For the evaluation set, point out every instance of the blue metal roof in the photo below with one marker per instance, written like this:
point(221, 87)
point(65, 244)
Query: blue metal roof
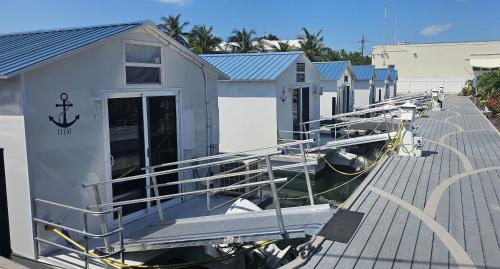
point(22, 50)
point(363, 72)
point(252, 66)
point(381, 73)
point(394, 74)
point(331, 70)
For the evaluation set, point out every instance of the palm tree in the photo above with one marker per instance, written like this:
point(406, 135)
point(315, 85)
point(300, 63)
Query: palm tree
point(173, 27)
point(312, 44)
point(202, 41)
point(245, 42)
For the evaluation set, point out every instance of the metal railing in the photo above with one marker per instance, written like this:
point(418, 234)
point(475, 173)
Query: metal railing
point(341, 125)
point(394, 101)
point(212, 162)
point(83, 232)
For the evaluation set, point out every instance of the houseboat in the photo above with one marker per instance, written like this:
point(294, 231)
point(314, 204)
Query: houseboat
point(382, 81)
point(337, 83)
point(110, 148)
point(364, 85)
point(266, 98)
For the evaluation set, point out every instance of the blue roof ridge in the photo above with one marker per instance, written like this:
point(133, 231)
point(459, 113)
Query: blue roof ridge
point(252, 53)
point(331, 62)
point(75, 28)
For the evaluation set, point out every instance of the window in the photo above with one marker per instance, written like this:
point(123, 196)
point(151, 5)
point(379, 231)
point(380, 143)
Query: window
point(142, 64)
point(391, 66)
point(301, 72)
point(346, 79)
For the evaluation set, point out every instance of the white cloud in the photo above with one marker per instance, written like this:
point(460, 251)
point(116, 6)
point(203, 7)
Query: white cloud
point(436, 29)
point(175, 2)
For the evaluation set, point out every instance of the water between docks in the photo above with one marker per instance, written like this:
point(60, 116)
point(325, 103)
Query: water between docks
point(328, 185)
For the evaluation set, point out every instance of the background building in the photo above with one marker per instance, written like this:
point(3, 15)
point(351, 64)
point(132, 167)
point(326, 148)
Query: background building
point(422, 67)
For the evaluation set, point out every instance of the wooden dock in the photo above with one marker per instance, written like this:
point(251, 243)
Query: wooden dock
point(441, 210)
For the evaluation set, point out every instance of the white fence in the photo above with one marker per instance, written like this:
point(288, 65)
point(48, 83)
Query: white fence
point(414, 85)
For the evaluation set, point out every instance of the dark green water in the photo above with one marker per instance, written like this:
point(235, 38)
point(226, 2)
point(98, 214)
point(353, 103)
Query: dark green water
point(327, 182)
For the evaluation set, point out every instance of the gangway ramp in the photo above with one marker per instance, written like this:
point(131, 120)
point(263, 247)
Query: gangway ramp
point(227, 228)
point(335, 144)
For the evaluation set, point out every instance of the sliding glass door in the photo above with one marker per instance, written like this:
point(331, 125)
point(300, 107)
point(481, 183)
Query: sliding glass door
point(142, 133)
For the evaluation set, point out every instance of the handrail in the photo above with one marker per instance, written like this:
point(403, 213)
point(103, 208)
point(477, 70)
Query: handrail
point(76, 230)
point(224, 155)
point(171, 171)
point(90, 212)
point(181, 194)
point(361, 112)
point(37, 221)
point(242, 173)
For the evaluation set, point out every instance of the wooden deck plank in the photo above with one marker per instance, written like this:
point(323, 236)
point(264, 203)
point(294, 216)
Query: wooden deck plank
point(391, 237)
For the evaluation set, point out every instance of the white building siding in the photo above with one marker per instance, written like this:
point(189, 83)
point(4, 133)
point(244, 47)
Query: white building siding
point(362, 91)
point(425, 66)
point(247, 115)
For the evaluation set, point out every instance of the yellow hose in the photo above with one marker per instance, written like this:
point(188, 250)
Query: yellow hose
point(389, 147)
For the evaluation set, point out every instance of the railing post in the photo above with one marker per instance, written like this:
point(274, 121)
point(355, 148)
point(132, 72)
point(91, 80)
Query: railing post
point(37, 230)
point(306, 173)
point(102, 218)
point(120, 234)
point(86, 239)
point(276, 201)
point(209, 210)
point(158, 201)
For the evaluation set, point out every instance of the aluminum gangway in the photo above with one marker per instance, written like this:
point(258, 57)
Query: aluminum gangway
point(342, 130)
point(397, 100)
point(210, 212)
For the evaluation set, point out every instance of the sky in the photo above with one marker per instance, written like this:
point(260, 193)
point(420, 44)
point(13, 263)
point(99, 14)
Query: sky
point(343, 23)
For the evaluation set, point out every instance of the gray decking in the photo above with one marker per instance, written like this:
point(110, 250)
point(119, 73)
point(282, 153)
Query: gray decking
point(441, 210)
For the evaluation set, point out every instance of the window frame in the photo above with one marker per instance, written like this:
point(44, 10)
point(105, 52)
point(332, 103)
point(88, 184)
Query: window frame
point(129, 64)
point(297, 72)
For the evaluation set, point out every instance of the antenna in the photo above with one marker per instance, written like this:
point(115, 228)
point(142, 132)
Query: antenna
point(385, 30)
point(396, 32)
point(363, 41)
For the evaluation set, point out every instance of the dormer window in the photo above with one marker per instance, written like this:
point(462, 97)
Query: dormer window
point(301, 72)
point(142, 64)
point(346, 79)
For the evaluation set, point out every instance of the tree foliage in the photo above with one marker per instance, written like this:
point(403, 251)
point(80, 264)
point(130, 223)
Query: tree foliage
point(173, 27)
point(489, 90)
point(244, 41)
point(312, 44)
point(202, 41)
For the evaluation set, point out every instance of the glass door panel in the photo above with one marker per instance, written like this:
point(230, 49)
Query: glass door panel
point(296, 111)
point(126, 135)
point(305, 109)
point(162, 129)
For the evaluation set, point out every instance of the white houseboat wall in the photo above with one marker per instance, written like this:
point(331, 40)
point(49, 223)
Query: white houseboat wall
point(364, 85)
point(382, 81)
point(337, 83)
point(87, 104)
point(393, 82)
point(266, 97)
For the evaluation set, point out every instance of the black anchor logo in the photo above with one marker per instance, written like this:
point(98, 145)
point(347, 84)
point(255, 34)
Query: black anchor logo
point(65, 105)
point(283, 95)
